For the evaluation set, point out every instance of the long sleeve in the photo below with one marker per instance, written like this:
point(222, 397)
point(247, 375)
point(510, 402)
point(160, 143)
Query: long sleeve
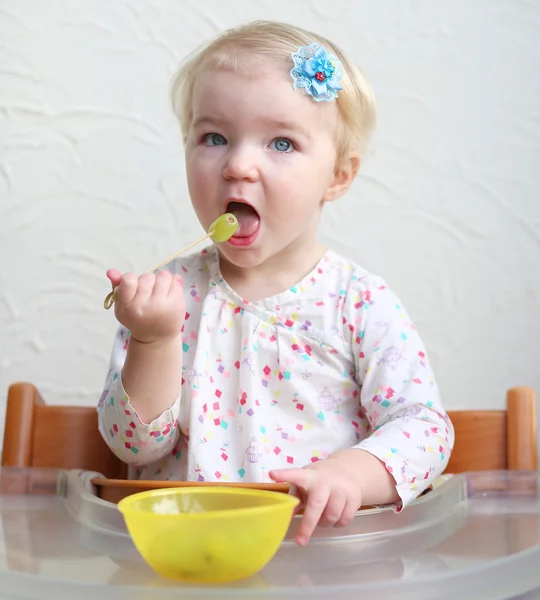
point(412, 434)
point(133, 441)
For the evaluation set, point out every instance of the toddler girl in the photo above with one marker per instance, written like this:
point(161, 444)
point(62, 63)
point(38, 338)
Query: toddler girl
point(269, 357)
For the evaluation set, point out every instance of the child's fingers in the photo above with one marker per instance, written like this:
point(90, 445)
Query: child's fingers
point(162, 284)
point(115, 277)
point(301, 495)
point(316, 503)
point(175, 281)
point(299, 480)
point(127, 288)
point(348, 514)
point(279, 475)
point(294, 491)
point(334, 509)
point(145, 286)
point(292, 476)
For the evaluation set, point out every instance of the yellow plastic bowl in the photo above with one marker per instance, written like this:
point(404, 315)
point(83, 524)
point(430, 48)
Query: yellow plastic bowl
point(207, 534)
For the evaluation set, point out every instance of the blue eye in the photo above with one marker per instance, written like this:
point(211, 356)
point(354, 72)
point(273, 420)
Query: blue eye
point(214, 139)
point(282, 145)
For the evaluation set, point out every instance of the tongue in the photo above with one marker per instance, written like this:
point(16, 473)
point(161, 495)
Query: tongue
point(248, 219)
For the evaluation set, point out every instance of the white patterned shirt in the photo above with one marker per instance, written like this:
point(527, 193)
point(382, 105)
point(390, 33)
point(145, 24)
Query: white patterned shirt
point(331, 363)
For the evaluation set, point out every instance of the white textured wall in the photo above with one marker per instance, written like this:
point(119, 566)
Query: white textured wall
point(447, 207)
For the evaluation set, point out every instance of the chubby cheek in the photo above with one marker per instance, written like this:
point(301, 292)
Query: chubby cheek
point(299, 195)
point(199, 176)
point(200, 191)
point(201, 179)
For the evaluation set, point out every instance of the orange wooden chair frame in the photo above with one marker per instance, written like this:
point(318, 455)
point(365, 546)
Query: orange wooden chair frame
point(67, 437)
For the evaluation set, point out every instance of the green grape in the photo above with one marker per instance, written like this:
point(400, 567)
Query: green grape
point(223, 228)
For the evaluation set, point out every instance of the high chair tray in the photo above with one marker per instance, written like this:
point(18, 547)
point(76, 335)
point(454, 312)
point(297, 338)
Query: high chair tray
point(475, 535)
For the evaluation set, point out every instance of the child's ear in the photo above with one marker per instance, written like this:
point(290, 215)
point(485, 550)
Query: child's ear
point(344, 173)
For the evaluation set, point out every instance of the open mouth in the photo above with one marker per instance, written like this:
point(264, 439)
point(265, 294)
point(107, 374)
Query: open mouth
point(249, 222)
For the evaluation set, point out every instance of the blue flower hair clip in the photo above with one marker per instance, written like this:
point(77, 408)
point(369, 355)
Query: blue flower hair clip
point(318, 71)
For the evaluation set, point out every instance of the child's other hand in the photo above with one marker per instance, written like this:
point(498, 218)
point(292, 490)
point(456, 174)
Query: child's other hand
point(332, 490)
point(152, 307)
point(329, 490)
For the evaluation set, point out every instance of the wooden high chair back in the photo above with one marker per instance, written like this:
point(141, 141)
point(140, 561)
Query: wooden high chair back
point(63, 437)
point(67, 437)
point(489, 440)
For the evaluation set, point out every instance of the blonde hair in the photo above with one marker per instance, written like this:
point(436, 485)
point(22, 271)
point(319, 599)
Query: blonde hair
point(271, 40)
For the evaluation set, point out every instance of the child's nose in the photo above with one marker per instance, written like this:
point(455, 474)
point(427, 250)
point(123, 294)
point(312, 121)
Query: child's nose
point(241, 164)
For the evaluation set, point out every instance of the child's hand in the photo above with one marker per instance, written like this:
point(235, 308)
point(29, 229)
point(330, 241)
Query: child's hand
point(329, 490)
point(152, 307)
point(332, 490)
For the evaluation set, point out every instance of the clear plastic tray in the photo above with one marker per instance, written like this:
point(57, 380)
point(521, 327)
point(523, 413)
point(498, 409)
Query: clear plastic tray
point(477, 536)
